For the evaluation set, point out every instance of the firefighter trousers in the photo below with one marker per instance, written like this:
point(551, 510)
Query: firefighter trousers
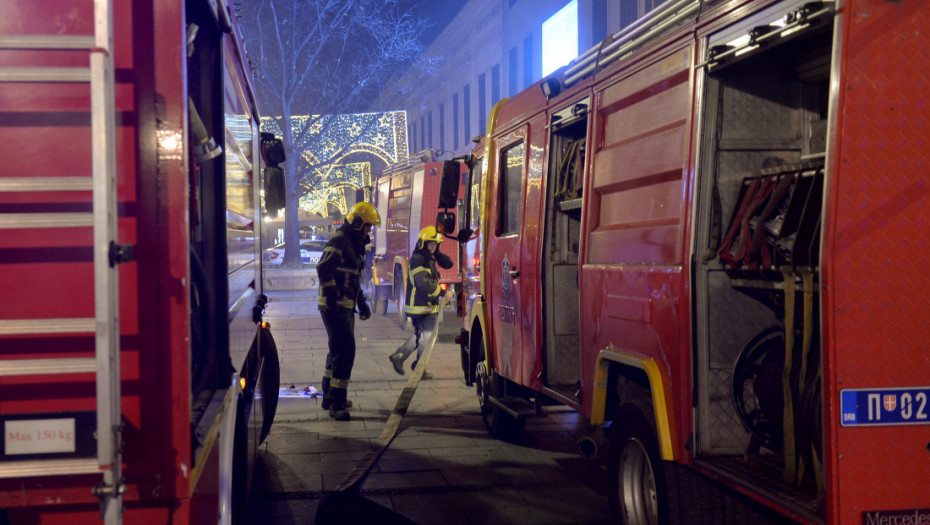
point(423, 326)
point(340, 328)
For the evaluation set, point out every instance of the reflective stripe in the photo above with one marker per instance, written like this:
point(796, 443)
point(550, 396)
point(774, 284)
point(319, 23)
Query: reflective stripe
point(421, 309)
point(351, 271)
point(333, 249)
point(435, 293)
point(328, 373)
point(346, 303)
point(338, 383)
point(418, 270)
point(327, 284)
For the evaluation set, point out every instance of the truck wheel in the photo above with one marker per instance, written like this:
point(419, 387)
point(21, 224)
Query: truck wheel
point(498, 423)
point(271, 381)
point(400, 297)
point(377, 301)
point(633, 469)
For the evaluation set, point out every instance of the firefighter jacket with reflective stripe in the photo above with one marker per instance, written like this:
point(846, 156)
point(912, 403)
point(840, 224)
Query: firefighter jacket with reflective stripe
point(340, 268)
point(422, 284)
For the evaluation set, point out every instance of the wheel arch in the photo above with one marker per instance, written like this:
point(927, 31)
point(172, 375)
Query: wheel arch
point(627, 377)
point(478, 332)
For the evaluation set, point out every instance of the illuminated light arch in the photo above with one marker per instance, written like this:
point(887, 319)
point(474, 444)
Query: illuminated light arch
point(354, 176)
point(382, 135)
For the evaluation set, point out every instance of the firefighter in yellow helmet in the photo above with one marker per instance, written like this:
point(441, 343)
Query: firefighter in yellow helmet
point(339, 272)
point(423, 293)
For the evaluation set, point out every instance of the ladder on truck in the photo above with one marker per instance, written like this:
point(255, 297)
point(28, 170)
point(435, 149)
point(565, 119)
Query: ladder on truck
point(107, 254)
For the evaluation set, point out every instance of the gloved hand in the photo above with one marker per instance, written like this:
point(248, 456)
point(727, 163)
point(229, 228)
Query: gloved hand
point(364, 311)
point(443, 260)
point(330, 294)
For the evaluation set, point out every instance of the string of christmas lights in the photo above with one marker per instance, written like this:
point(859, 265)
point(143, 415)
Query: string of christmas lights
point(323, 144)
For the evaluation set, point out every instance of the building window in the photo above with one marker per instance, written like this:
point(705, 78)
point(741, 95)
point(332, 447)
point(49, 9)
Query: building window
point(413, 136)
point(482, 102)
point(628, 12)
point(528, 61)
point(423, 132)
point(599, 20)
point(466, 111)
point(429, 129)
point(511, 192)
point(455, 120)
point(442, 126)
point(512, 72)
point(495, 84)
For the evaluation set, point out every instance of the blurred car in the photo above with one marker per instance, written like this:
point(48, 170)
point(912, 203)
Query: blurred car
point(310, 252)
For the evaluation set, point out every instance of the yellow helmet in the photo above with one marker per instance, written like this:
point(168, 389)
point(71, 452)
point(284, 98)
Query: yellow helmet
point(428, 234)
point(365, 213)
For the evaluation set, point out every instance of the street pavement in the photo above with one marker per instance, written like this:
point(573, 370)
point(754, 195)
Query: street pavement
point(442, 467)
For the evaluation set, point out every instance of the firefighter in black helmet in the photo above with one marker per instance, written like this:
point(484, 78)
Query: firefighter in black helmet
point(339, 272)
point(423, 293)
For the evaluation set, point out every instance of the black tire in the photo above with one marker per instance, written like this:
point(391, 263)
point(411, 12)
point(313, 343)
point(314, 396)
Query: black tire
point(635, 475)
point(377, 302)
point(643, 489)
point(400, 297)
point(466, 362)
point(270, 380)
point(499, 424)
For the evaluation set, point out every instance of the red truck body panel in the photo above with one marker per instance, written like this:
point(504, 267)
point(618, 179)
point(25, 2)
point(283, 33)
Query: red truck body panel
point(400, 192)
point(45, 131)
point(665, 126)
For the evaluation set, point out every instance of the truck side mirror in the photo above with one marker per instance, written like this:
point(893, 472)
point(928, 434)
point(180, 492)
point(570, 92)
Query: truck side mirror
point(449, 186)
point(272, 149)
point(274, 189)
point(273, 154)
point(445, 222)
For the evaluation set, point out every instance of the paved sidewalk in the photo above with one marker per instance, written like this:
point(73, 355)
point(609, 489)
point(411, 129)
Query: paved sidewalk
point(442, 467)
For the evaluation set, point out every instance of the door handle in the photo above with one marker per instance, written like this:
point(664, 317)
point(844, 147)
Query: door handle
point(514, 273)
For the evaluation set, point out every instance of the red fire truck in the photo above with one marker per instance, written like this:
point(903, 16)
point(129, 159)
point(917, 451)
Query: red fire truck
point(400, 192)
point(133, 356)
point(708, 231)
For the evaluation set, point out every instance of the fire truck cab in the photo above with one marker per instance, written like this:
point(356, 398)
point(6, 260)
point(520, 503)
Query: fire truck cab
point(400, 192)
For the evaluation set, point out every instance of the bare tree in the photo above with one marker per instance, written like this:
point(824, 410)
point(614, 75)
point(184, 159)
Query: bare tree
point(319, 58)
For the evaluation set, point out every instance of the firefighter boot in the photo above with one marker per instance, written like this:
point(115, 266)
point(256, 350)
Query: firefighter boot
point(339, 410)
point(398, 361)
point(327, 402)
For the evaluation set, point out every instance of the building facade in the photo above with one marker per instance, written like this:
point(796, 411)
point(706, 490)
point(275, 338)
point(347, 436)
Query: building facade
point(491, 50)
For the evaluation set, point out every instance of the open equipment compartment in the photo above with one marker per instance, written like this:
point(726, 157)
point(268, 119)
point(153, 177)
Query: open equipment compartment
point(568, 130)
point(757, 242)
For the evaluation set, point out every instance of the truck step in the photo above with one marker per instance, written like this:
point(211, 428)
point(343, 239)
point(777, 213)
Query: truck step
point(52, 42)
point(48, 467)
point(45, 74)
point(77, 325)
point(515, 406)
point(10, 221)
point(11, 184)
point(32, 367)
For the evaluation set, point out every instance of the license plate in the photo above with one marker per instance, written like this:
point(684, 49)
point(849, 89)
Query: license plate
point(885, 406)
